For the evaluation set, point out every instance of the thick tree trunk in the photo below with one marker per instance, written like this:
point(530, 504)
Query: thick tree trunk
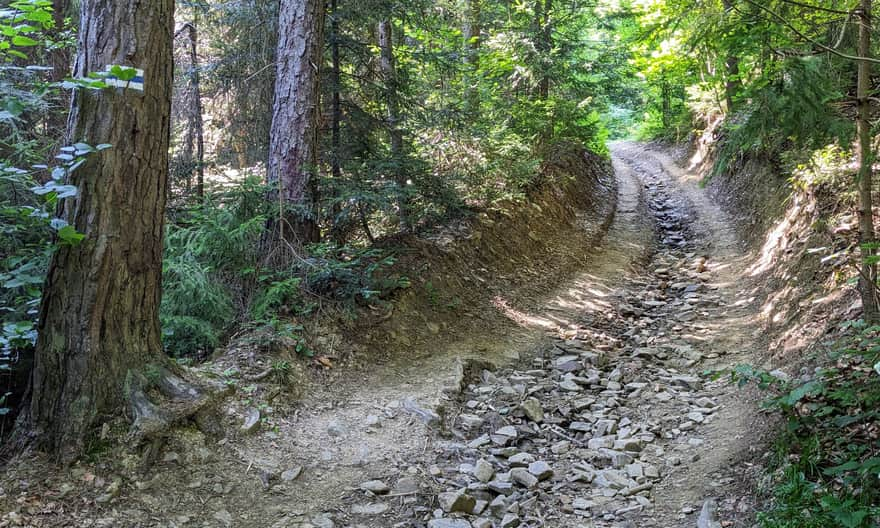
point(868, 279)
point(99, 326)
point(293, 142)
point(392, 106)
point(472, 30)
point(196, 124)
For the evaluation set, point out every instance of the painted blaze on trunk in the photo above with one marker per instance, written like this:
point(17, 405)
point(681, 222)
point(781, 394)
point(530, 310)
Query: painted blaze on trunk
point(99, 325)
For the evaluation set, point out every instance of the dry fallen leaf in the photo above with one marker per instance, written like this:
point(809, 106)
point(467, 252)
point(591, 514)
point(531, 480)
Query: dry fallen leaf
point(324, 361)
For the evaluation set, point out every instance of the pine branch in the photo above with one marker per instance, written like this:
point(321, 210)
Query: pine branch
point(814, 42)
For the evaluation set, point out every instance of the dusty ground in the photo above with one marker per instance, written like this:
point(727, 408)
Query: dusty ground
point(664, 299)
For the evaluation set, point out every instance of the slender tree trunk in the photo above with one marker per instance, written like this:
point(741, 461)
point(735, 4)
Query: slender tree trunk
point(340, 227)
point(666, 101)
point(196, 124)
point(59, 59)
point(544, 43)
point(732, 84)
point(99, 317)
point(472, 30)
point(335, 78)
point(868, 279)
point(293, 142)
point(392, 105)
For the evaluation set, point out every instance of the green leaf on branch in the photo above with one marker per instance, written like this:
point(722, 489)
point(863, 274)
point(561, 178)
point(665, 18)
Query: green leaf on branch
point(67, 235)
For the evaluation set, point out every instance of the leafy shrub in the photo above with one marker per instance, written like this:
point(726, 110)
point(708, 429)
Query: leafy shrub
point(278, 296)
point(216, 279)
point(827, 471)
point(351, 274)
point(185, 336)
point(794, 106)
point(211, 258)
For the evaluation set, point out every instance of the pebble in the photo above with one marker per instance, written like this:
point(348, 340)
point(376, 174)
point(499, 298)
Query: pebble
point(375, 486)
point(251, 421)
point(291, 474)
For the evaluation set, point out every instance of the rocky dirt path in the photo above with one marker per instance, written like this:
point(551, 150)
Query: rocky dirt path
point(586, 409)
point(611, 424)
point(605, 422)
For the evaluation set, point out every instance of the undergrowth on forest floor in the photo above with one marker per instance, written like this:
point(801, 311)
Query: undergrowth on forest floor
point(218, 279)
point(825, 464)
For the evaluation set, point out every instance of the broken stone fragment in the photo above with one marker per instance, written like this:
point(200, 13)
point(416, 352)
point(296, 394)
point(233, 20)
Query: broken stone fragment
point(501, 487)
point(289, 475)
point(508, 430)
point(370, 509)
point(541, 470)
point(510, 521)
point(456, 501)
point(522, 477)
point(533, 410)
point(520, 460)
point(483, 470)
point(709, 515)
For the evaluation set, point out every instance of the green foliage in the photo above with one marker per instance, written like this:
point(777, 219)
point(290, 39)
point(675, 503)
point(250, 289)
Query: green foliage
point(211, 261)
point(216, 278)
point(22, 25)
point(278, 296)
point(794, 107)
point(827, 470)
point(351, 274)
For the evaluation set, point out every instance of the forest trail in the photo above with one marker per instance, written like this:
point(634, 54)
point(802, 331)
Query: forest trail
point(587, 409)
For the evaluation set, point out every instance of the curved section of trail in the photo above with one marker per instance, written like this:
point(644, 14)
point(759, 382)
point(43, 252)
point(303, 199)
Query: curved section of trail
point(585, 409)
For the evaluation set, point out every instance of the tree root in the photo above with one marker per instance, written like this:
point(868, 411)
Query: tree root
point(163, 400)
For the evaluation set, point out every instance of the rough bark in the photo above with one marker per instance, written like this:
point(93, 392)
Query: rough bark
point(293, 142)
point(99, 326)
point(472, 31)
point(868, 277)
point(388, 69)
